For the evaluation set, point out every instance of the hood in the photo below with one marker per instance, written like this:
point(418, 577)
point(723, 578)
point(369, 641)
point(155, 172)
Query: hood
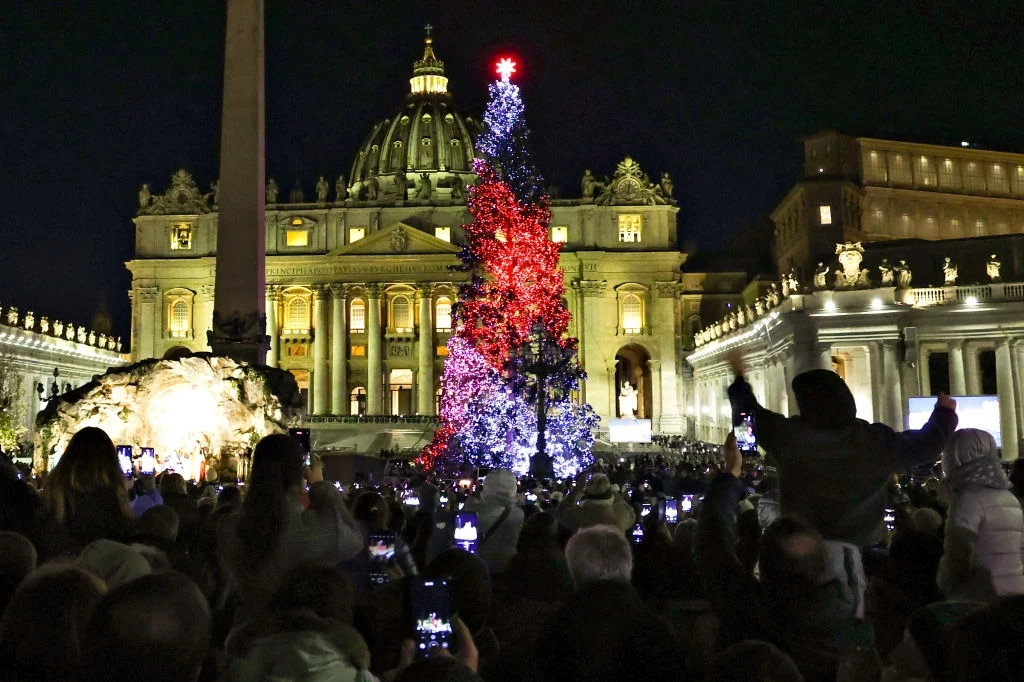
point(500, 487)
point(824, 399)
point(972, 458)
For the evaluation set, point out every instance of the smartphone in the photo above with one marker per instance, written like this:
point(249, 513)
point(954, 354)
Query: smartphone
point(531, 498)
point(382, 554)
point(431, 614)
point(671, 511)
point(645, 509)
point(302, 435)
point(890, 519)
point(744, 432)
point(124, 458)
point(411, 498)
point(444, 499)
point(637, 534)
point(147, 463)
point(465, 531)
point(686, 503)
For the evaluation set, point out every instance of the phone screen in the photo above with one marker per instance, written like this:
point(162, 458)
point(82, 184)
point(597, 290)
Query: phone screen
point(744, 431)
point(382, 554)
point(431, 614)
point(671, 511)
point(147, 463)
point(645, 509)
point(124, 458)
point(465, 531)
point(686, 503)
point(302, 435)
point(638, 534)
point(890, 519)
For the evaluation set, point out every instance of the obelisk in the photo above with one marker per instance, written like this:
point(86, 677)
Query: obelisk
point(239, 323)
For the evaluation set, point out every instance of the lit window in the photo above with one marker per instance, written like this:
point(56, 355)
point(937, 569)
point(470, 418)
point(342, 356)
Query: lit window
point(296, 315)
point(906, 226)
point(955, 228)
point(632, 314)
point(296, 238)
point(630, 226)
point(1018, 180)
point(948, 176)
point(560, 234)
point(401, 314)
point(178, 318)
point(442, 351)
point(358, 351)
point(443, 233)
point(998, 182)
point(926, 172)
point(973, 179)
point(979, 228)
point(181, 237)
point(297, 221)
point(825, 211)
point(355, 234)
point(357, 401)
point(357, 315)
point(443, 314)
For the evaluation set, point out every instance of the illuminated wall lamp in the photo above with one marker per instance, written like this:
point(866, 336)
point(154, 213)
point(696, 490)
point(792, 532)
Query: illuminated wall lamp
point(971, 301)
point(830, 306)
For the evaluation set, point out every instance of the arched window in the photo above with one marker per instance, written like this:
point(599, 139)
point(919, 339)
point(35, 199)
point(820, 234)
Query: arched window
point(357, 401)
point(401, 314)
point(632, 314)
point(178, 318)
point(443, 314)
point(296, 315)
point(357, 315)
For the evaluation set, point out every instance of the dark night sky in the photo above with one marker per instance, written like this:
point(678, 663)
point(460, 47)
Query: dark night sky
point(98, 97)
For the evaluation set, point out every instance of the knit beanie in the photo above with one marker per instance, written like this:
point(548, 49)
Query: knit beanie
point(598, 488)
point(972, 458)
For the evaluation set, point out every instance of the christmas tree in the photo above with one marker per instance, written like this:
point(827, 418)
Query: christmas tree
point(512, 367)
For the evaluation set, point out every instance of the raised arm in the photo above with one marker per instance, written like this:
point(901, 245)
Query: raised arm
point(767, 424)
point(925, 445)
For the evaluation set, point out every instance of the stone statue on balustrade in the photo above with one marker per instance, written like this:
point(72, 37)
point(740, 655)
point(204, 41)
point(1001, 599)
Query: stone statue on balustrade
point(372, 186)
point(949, 273)
point(793, 282)
point(297, 195)
point(321, 190)
point(145, 197)
point(820, 273)
point(627, 401)
point(666, 185)
point(772, 296)
point(424, 190)
point(458, 193)
point(741, 317)
point(588, 184)
point(69, 332)
point(91, 338)
point(903, 275)
point(758, 306)
point(749, 311)
point(886, 273)
point(851, 276)
point(30, 320)
point(401, 185)
point(44, 324)
point(992, 269)
point(784, 281)
point(340, 190)
point(12, 315)
point(214, 194)
point(272, 190)
point(58, 328)
point(80, 334)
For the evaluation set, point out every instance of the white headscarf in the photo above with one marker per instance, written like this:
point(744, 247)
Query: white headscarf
point(972, 458)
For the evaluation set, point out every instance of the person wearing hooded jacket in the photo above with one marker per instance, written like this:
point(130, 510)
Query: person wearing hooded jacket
point(498, 531)
point(833, 468)
point(984, 540)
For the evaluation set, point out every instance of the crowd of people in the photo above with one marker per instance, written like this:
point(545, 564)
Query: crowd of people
point(825, 561)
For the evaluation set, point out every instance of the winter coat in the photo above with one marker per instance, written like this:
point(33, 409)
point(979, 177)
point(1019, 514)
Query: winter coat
point(833, 468)
point(994, 538)
point(499, 494)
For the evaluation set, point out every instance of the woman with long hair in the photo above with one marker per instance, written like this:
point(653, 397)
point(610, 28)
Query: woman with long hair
point(272, 533)
point(86, 493)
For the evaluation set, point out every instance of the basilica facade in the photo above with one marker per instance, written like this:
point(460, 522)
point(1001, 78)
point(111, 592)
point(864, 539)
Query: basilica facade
point(361, 275)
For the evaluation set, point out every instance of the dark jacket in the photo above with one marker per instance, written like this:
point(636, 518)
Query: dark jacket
point(834, 468)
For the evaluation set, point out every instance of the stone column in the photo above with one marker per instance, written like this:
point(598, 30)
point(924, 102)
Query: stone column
point(892, 391)
point(972, 370)
point(613, 394)
point(203, 318)
point(241, 230)
point(425, 386)
point(876, 358)
point(924, 378)
point(273, 299)
point(824, 356)
point(957, 380)
point(1007, 402)
point(374, 365)
point(339, 351)
point(321, 404)
point(150, 323)
point(656, 397)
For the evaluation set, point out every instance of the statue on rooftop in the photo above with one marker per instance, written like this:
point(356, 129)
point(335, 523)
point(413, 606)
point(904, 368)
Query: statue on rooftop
point(145, 197)
point(588, 184)
point(12, 315)
point(903, 275)
point(340, 189)
point(272, 190)
point(321, 190)
point(819, 275)
point(401, 185)
point(666, 185)
point(886, 272)
point(851, 254)
point(372, 186)
point(30, 320)
point(425, 188)
point(458, 193)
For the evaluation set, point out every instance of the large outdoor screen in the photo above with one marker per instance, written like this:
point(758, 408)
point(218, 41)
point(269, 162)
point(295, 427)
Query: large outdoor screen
point(629, 430)
point(974, 411)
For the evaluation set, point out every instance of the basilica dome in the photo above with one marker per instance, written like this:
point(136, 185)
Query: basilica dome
point(427, 135)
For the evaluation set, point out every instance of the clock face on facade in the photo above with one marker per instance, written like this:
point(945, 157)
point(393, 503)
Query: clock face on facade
point(628, 189)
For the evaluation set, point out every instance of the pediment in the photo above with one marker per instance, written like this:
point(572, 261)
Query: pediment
point(397, 239)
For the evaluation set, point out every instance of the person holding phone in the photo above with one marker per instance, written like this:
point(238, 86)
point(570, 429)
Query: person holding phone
point(272, 533)
point(834, 469)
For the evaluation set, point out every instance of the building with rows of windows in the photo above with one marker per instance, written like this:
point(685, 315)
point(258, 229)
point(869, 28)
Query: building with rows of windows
point(902, 269)
point(360, 279)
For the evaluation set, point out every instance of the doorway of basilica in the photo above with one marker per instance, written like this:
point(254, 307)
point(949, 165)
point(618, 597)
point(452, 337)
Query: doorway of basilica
point(632, 366)
point(400, 387)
